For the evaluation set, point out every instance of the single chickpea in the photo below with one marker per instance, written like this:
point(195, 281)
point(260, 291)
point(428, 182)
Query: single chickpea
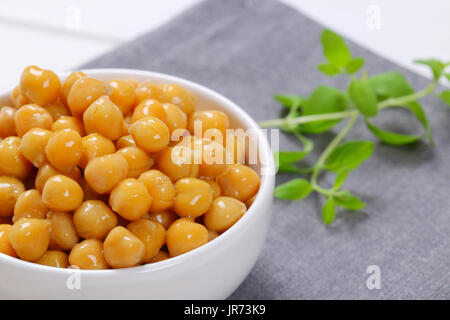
point(193, 197)
point(18, 98)
point(148, 90)
point(32, 146)
point(209, 119)
point(185, 235)
point(62, 230)
point(138, 161)
point(150, 134)
point(88, 254)
point(152, 235)
point(5, 244)
point(84, 92)
point(160, 188)
point(215, 188)
point(125, 141)
point(123, 249)
point(66, 122)
point(214, 159)
point(29, 204)
point(123, 94)
point(54, 258)
point(68, 83)
point(165, 218)
point(179, 96)
point(149, 107)
point(7, 122)
point(64, 149)
point(235, 146)
point(239, 181)
point(176, 164)
point(105, 172)
point(12, 162)
point(175, 117)
point(130, 199)
point(94, 220)
point(224, 212)
point(104, 117)
point(31, 116)
point(47, 170)
point(57, 110)
point(39, 85)
point(161, 256)
point(10, 190)
point(212, 235)
point(30, 238)
point(62, 193)
point(95, 145)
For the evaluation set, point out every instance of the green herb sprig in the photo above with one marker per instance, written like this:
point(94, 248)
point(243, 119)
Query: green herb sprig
point(365, 97)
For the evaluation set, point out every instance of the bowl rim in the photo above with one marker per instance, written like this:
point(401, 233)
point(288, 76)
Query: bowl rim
point(267, 181)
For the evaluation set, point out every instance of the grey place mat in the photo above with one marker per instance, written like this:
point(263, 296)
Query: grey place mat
point(250, 50)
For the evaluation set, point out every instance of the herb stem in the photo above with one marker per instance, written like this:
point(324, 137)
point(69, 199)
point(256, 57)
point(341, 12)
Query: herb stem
point(306, 119)
point(408, 98)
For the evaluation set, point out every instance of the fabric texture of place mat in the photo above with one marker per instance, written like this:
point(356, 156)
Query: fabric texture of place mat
point(248, 50)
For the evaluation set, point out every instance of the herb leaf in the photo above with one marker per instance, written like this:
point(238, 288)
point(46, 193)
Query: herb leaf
point(445, 96)
point(328, 211)
point(329, 69)
point(289, 100)
point(295, 189)
point(390, 84)
point(341, 176)
point(354, 65)
point(435, 65)
point(349, 155)
point(392, 138)
point(363, 97)
point(348, 201)
point(335, 49)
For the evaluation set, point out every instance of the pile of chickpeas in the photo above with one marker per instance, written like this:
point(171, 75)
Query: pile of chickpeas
point(88, 177)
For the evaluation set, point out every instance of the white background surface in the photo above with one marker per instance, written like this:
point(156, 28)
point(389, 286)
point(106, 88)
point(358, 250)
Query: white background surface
point(62, 34)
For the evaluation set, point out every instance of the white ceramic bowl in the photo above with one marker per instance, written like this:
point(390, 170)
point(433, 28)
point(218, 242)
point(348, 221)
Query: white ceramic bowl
point(212, 271)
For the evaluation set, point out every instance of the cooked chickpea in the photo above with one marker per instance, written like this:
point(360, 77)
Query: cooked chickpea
point(54, 258)
point(149, 107)
point(103, 117)
point(94, 220)
point(10, 190)
point(123, 249)
point(30, 238)
point(105, 172)
point(215, 188)
point(148, 90)
point(224, 212)
point(84, 92)
point(88, 254)
point(29, 204)
point(239, 181)
point(130, 199)
point(123, 94)
point(150, 134)
point(95, 145)
point(179, 96)
point(62, 193)
point(7, 122)
point(31, 116)
point(39, 85)
point(18, 98)
point(68, 83)
point(209, 119)
point(160, 188)
point(214, 159)
point(175, 117)
point(193, 197)
point(161, 256)
point(165, 218)
point(138, 161)
point(235, 146)
point(185, 235)
point(62, 230)
point(47, 170)
point(66, 122)
point(5, 244)
point(12, 162)
point(125, 141)
point(64, 149)
point(90, 194)
point(57, 110)
point(176, 164)
point(152, 235)
point(32, 146)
